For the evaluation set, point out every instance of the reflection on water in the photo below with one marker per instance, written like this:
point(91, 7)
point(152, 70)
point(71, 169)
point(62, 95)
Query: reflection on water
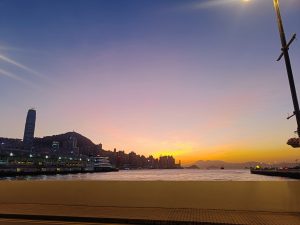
point(164, 175)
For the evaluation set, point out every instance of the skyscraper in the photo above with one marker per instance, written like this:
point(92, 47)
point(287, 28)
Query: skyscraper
point(29, 129)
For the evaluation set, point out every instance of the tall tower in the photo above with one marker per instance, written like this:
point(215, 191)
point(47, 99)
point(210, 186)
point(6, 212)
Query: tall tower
point(29, 129)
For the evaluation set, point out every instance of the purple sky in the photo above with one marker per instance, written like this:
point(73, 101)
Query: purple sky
point(197, 79)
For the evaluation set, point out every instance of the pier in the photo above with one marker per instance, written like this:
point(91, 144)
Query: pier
point(25, 171)
point(20, 166)
point(290, 173)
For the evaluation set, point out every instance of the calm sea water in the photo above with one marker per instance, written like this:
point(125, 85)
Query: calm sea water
point(163, 175)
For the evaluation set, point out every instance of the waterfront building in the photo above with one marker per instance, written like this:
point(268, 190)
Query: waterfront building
point(29, 129)
point(8, 145)
point(167, 162)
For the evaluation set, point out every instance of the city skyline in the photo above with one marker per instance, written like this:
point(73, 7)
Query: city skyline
point(193, 79)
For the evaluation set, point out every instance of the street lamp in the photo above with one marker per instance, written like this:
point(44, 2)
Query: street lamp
point(294, 142)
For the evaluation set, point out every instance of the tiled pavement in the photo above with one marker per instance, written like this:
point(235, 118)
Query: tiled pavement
point(131, 215)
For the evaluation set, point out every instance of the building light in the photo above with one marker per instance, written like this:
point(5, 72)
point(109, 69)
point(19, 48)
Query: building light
point(30, 155)
point(11, 154)
point(47, 157)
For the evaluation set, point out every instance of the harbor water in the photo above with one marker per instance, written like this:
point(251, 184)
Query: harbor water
point(159, 175)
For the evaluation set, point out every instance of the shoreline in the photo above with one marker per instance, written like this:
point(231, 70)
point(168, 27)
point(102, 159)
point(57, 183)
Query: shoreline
point(153, 175)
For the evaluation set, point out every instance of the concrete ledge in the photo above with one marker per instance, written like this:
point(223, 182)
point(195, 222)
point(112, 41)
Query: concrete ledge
point(277, 196)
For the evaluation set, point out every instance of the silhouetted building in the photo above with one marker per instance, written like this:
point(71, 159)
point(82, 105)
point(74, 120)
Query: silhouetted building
point(72, 144)
point(166, 162)
point(29, 129)
point(8, 145)
point(55, 146)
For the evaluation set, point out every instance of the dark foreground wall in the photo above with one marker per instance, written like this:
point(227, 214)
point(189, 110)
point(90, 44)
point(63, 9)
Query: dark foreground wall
point(278, 196)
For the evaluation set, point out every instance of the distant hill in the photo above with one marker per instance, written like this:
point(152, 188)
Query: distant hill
point(217, 164)
point(70, 141)
point(192, 167)
point(73, 144)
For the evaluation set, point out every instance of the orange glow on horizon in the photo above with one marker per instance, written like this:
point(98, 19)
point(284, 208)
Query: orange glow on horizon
point(233, 153)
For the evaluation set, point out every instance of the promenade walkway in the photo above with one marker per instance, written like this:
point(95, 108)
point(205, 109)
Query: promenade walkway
point(83, 214)
point(150, 202)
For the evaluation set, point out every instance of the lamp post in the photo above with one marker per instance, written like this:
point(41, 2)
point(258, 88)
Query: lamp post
point(285, 54)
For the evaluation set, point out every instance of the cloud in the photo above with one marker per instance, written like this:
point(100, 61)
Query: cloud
point(15, 77)
point(7, 48)
point(21, 66)
point(212, 3)
point(206, 4)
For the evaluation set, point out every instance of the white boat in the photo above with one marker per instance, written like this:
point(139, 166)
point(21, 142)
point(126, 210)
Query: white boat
point(102, 164)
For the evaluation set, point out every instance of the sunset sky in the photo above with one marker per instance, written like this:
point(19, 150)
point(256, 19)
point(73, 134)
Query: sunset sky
point(195, 79)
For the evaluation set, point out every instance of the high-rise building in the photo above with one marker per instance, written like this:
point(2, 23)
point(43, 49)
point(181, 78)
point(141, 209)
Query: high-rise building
point(29, 129)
